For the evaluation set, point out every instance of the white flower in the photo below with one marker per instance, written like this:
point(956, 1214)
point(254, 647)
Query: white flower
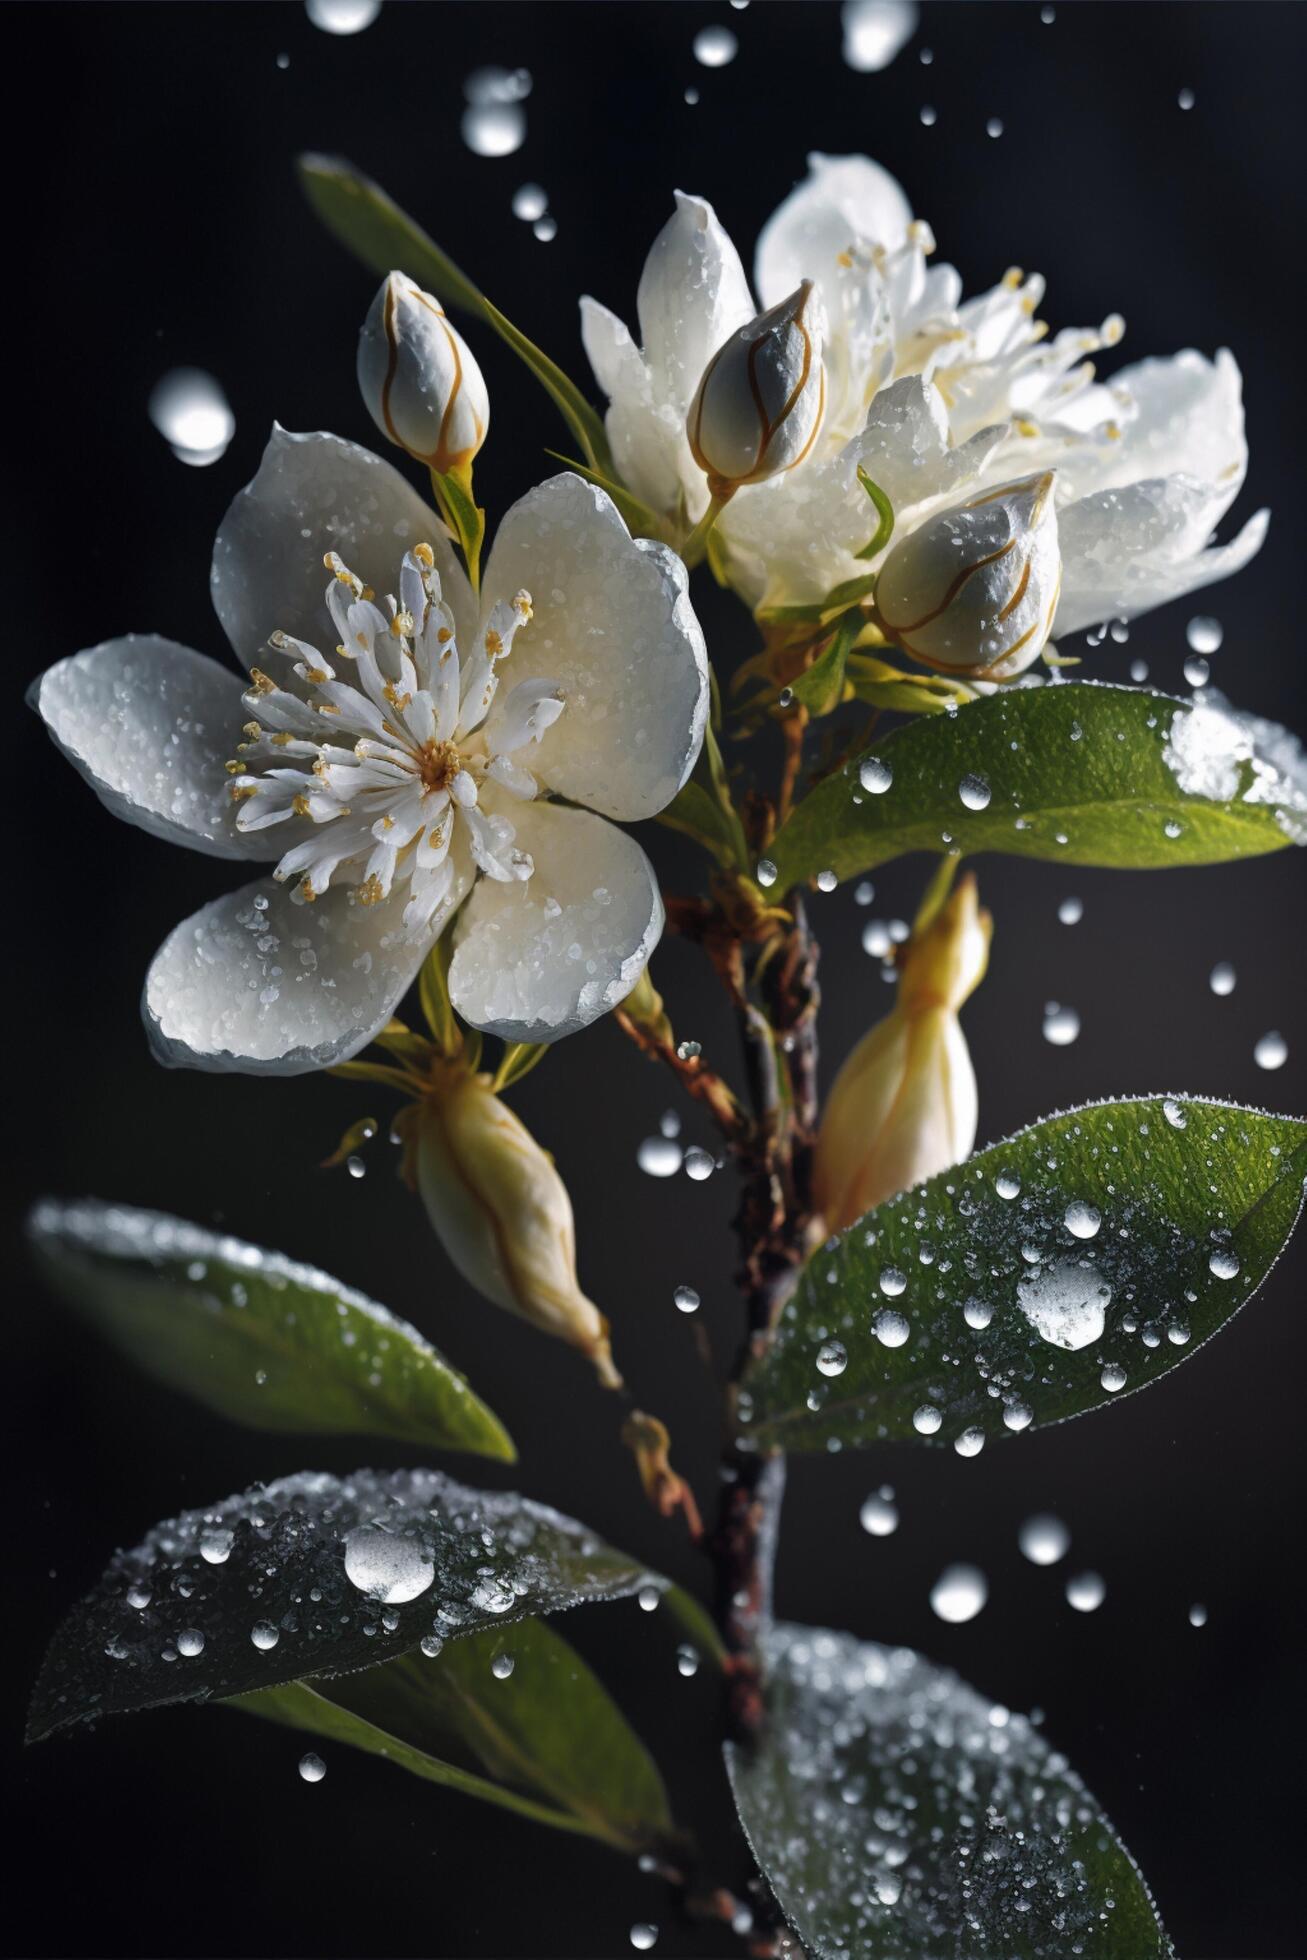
point(419, 378)
point(937, 398)
point(904, 1106)
point(385, 775)
point(759, 406)
point(973, 590)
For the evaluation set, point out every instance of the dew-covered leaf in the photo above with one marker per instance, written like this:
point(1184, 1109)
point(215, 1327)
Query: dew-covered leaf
point(1051, 1274)
point(1077, 771)
point(314, 1575)
point(254, 1335)
point(898, 1815)
point(546, 1740)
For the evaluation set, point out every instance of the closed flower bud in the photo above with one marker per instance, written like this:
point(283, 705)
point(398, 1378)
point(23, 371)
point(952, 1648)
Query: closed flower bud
point(974, 589)
point(760, 402)
point(419, 378)
point(502, 1213)
point(903, 1106)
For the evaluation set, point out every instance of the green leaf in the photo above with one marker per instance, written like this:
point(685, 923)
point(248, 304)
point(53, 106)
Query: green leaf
point(1053, 1273)
point(821, 687)
point(1077, 771)
point(259, 1338)
point(885, 515)
point(548, 1741)
point(336, 1573)
point(371, 225)
point(460, 510)
point(433, 993)
point(898, 1815)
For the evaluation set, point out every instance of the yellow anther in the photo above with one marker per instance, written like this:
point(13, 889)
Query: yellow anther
point(522, 605)
point(282, 741)
point(260, 683)
point(1026, 427)
point(845, 260)
point(494, 645)
point(370, 891)
point(1013, 277)
point(301, 806)
point(253, 730)
point(234, 768)
point(307, 892)
point(238, 792)
point(424, 555)
point(402, 623)
point(444, 636)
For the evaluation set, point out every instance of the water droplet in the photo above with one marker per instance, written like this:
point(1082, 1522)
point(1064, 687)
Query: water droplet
point(1222, 978)
point(1224, 1263)
point(879, 1515)
point(974, 792)
point(1086, 1591)
point(649, 1599)
point(977, 1313)
point(875, 774)
point(342, 16)
point(1197, 1615)
point(1178, 1334)
point(970, 1443)
point(545, 229)
point(1197, 671)
point(893, 1282)
point(1138, 671)
point(863, 892)
point(927, 115)
point(264, 1635)
point(687, 1661)
point(994, 127)
point(1008, 1185)
point(530, 202)
point(688, 1051)
point(715, 46)
point(1185, 98)
point(190, 1642)
point(1065, 1304)
point(698, 1163)
point(1071, 911)
point(1044, 1539)
point(1113, 1377)
point(312, 1768)
point(826, 881)
point(890, 1328)
point(1081, 1220)
point(1174, 1114)
point(687, 1300)
point(876, 939)
point(643, 1935)
point(494, 129)
point(832, 1358)
point(1204, 634)
point(431, 1645)
point(1272, 1051)
point(659, 1157)
point(1018, 1415)
point(356, 1167)
point(669, 1123)
point(1061, 1024)
point(926, 1420)
point(502, 1666)
point(385, 1565)
point(1048, 15)
point(1173, 828)
point(959, 1593)
point(191, 412)
point(766, 873)
point(875, 31)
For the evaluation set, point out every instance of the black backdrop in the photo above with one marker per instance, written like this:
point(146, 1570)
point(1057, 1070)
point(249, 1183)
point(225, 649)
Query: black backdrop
point(152, 221)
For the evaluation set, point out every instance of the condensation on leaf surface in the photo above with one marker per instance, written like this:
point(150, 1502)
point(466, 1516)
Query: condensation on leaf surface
point(495, 1558)
point(899, 1815)
point(262, 1339)
point(1138, 1229)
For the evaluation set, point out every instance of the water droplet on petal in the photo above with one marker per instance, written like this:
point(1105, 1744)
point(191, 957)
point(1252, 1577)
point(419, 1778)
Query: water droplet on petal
point(766, 872)
point(1113, 1377)
point(1065, 1304)
point(1008, 1185)
point(893, 1282)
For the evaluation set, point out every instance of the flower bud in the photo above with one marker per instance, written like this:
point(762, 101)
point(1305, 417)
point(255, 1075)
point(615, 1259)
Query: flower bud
point(974, 589)
point(502, 1213)
point(759, 405)
point(419, 378)
point(903, 1106)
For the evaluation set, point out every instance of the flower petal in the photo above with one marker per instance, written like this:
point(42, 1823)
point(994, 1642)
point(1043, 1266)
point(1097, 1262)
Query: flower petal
point(840, 200)
point(693, 294)
point(261, 985)
point(613, 627)
point(313, 494)
point(149, 724)
point(540, 960)
point(1125, 551)
point(648, 440)
point(1183, 415)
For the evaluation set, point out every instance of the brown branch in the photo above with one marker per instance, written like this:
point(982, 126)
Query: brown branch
point(699, 1081)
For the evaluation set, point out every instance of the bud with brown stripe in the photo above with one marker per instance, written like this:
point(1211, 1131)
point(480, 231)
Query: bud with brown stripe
point(759, 406)
point(420, 379)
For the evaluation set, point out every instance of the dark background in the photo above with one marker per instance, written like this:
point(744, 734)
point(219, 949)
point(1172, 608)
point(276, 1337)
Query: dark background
point(152, 221)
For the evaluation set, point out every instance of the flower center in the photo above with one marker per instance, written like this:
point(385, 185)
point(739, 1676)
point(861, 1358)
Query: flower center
point(371, 766)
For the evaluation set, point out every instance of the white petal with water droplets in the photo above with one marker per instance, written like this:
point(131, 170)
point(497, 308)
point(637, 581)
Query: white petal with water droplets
point(613, 627)
point(648, 437)
point(693, 293)
point(149, 724)
point(840, 200)
point(1127, 550)
point(259, 984)
point(312, 494)
point(539, 959)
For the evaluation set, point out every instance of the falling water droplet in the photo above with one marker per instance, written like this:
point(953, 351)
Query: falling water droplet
point(687, 1661)
point(193, 415)
point(1222, 978)
point(1197, 670)
point(927, 115)
point(879, 1515)
point(1086, 1591)
point(546, 228)
point(1071, 911)
point(875, 774)
point(1204, 633)
point(494, 129)
point(1044, 1539)
point(312, 1768)
point(698, 1163)
point(875, 31)
point(1061, 1024)
point(1197, 1615)
point(1185, 98)
point(766, 873)
point(994, 127)
point(659, 1157)
point(959, 1593)
point(530, 202)
point(826, 881)
point(926, 1420)
point(714, 47)
point(342, 16)
point(649, 1599)
point(643, 1935)
point(970, 1443)
point(1272, 1051)
point(686, 1299)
